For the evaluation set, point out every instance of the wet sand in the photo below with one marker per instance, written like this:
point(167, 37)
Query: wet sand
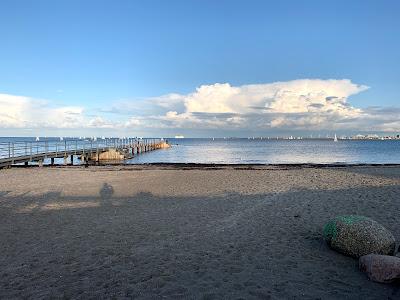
point(168, 232)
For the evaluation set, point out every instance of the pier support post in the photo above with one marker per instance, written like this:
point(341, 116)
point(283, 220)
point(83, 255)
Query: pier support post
point(40, 163)
point(72, 160)
point(26, 163)
point(65, 160)
point(52, 161)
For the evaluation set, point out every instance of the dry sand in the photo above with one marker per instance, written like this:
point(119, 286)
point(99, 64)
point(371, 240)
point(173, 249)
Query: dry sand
point(165, 232)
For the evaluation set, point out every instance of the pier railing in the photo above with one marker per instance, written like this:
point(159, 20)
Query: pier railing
point(33, 150)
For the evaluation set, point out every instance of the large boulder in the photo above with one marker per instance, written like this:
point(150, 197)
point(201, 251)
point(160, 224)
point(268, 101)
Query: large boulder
point(358, 235)
point(380, 268)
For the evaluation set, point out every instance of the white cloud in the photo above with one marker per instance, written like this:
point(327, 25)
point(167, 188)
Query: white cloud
point(25, 112)
point(283, 97)
point(99, 122)
point(13, 110)
point(318, 101)
point(306, 104)
point(133, 122)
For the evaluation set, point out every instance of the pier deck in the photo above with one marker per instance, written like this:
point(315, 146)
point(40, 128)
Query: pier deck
point(89, 151)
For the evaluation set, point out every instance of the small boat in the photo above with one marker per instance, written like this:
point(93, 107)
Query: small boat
point(37, 139)
point(335, 138)
point(179, 137)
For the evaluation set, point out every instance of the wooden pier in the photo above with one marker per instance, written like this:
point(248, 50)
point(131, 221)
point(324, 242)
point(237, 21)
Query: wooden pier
point(87, 151)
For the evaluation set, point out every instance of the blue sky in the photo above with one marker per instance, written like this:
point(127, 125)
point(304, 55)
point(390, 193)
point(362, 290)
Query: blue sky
point(102, 56)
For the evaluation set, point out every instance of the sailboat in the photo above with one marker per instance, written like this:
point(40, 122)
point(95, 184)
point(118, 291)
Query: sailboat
point(335, 138)
point(37, 139)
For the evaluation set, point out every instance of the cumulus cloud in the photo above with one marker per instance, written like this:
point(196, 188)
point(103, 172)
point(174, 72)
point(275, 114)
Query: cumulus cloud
point(298, 104)
point(306, 104)
point(284, 97)
point(25, 112)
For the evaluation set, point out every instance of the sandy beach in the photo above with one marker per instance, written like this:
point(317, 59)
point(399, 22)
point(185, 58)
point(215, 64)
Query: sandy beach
point(165, 232)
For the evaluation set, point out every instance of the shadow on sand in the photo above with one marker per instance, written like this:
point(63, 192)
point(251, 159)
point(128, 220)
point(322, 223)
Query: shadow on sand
point(147, 246)
point(106, 192)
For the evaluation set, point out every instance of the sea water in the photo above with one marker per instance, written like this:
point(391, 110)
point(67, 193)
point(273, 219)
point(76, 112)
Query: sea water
point(265, 151)
point(272, 151)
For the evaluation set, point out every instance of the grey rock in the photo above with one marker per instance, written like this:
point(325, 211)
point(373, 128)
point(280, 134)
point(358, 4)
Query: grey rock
point(380, 268)
point(357, 236)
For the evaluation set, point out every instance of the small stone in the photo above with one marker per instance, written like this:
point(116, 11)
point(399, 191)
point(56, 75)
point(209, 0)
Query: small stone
point(357, 236)
point(380, 268)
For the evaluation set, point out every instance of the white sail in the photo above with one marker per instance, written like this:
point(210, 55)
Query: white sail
point(335, 139)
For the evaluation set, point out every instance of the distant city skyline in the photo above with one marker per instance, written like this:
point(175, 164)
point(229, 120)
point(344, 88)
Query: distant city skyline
point(199, 68)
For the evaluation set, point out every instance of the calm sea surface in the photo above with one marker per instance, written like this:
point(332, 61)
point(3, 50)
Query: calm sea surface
point(241, 151)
